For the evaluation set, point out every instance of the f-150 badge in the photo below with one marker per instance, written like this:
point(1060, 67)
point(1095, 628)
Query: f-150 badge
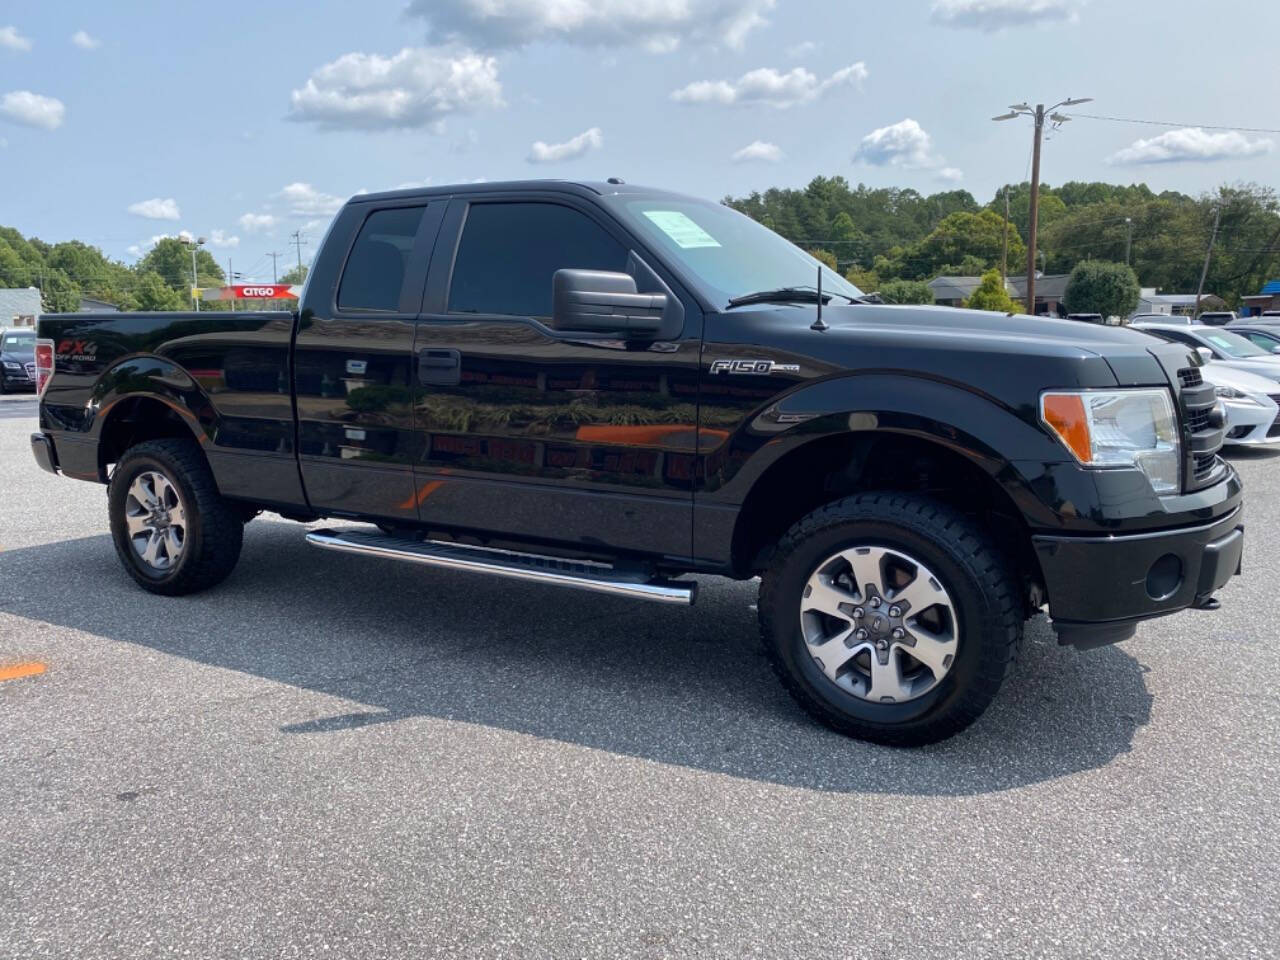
point(753, 366)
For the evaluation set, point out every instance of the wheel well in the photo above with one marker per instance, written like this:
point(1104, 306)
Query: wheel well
point(825, 470)
point(133, 421)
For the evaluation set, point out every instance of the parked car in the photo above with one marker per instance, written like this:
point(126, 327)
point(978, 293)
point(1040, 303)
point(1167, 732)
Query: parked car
point(1252, 403)
point(1266, 337)
point(1087, 317)
point(1217, 318)
point(1175, 318)
point(606, 387)
point(1218, 344)
point(17, 360)
point(1268, 318)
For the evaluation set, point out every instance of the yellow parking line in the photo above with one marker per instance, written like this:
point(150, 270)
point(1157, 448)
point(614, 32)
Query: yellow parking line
point(18, 670)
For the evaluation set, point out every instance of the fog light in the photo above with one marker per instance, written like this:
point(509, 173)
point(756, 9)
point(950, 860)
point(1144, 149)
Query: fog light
point(1164, 578)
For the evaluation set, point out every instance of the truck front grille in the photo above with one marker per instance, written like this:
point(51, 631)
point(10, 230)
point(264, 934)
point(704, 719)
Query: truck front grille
point(1196, 398)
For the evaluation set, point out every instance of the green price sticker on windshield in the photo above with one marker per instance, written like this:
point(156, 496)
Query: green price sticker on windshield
point(686, 234)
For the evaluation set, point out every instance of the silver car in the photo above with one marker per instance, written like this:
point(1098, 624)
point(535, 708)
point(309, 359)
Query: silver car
point(1220, 344)
point(1252, 403)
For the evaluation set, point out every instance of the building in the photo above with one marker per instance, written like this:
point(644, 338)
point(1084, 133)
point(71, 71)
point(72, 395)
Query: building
point(19, 307)
point(1175, 304)
point(90, 305)
point(1268, 298)
point(1050, 289)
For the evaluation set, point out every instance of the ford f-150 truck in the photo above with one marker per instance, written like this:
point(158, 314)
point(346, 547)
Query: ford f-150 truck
point(607, 387)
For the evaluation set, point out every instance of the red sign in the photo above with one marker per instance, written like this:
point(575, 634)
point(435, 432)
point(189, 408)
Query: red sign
point(263, 291)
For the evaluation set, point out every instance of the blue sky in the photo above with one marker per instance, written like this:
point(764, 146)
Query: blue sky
point(243, 122)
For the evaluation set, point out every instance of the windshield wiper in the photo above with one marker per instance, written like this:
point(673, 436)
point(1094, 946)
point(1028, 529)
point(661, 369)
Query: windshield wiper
point(799, 294)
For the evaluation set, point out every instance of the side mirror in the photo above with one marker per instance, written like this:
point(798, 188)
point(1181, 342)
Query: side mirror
point(1205, 353)
point(596, 301)
point(1276, 348)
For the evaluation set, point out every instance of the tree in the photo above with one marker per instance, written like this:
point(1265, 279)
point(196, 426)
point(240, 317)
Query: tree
point(826, 257)
point(905, 291)
point(970, 238)
point(152, 293)
point(1096, 286)
point(865, 280)
point(992, 295)
point(295, 275)
point(171, 259)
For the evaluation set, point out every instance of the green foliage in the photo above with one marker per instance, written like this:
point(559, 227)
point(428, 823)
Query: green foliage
point(905, 291)
point(152, 293)
point(827, 257)
point(297, 275)
point(865, 280)
point(171, 258)
point(1096, 286)
point(992, 295)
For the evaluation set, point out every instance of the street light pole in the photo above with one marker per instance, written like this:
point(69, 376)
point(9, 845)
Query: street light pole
point(195, 245)
point(1039, 114)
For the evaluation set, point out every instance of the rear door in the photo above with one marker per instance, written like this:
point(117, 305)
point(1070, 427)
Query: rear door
point(353, 361)
point(537, 435)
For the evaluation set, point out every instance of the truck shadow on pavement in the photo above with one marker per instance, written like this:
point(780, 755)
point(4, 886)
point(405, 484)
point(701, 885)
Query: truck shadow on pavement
point(672, 685)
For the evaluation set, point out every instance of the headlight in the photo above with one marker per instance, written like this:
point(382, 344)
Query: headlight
point(12, 366)
point(1236, 396)
point(1118, 428)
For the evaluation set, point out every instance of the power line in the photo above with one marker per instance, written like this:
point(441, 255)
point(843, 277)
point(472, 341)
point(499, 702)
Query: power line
point(1169, 123)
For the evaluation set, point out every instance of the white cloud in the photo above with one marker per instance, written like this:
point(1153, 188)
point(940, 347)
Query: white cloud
point(139, 249)
point(220, 238)
point(413, 184)
point(994, 15)
point(11, 39)
point(414, 89)
point(902, 144)
point(253, 222)
point(758, 150)
point(157, 208)
point(33, 109)
point(656, 25)
point(583, 143)
point(1192, 144)
point(949, 175)
point(84, 41)
point(304, 200)
point(803, 48)
point(769, 87)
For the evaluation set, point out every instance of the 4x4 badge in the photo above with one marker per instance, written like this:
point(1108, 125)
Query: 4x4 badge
point(753, 366)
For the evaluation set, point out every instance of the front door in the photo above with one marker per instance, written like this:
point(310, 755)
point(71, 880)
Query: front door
point(354, 368)
point(574, 441)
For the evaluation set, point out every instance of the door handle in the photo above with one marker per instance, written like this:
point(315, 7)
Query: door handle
point(439, 367)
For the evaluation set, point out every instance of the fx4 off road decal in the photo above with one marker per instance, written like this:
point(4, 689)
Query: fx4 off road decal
point(753, 366)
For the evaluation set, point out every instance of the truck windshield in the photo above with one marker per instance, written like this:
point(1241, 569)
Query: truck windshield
point(730, 253)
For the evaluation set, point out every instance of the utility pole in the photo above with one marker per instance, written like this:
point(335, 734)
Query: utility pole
point(298, 241)
point(1128, 240)
point(1039, 114)
point(1217, 217)
point(1004, 253)
point(275, 277)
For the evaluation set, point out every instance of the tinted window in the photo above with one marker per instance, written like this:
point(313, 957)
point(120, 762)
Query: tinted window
point(375, 270)
point(509, 252)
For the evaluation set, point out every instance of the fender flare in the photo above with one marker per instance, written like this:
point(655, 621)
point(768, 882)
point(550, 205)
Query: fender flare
point(153, 378)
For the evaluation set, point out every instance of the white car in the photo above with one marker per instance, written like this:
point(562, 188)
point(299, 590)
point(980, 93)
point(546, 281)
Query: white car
point(1218, 345)
point(1252, 402)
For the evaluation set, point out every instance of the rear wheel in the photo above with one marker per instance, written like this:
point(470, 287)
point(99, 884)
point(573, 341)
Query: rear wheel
point(890, 618)
point(172, 531)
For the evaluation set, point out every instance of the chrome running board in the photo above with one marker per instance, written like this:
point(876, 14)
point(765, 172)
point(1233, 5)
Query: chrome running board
point(583, 575)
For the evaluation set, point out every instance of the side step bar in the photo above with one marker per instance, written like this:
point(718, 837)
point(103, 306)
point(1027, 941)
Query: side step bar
point(506, 563)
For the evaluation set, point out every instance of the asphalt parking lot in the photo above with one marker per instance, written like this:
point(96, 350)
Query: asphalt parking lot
point(330, 756)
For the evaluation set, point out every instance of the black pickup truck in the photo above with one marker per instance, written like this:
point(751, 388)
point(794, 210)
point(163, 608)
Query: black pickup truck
point(607, 387)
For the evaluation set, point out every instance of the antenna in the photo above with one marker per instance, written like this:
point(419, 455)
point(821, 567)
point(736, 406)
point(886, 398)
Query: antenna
point(817, 323)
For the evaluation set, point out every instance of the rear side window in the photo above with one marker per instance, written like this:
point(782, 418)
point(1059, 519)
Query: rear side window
point(509, 252)
point(374, 274)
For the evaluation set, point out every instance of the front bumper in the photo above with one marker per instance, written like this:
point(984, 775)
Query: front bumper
point(1100, 587)
point(1252, 425)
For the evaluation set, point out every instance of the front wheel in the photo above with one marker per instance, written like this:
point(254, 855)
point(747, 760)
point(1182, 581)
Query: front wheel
point(172, 530)
point(890, 618)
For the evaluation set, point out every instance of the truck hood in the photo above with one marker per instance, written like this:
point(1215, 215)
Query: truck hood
point(1100, 355)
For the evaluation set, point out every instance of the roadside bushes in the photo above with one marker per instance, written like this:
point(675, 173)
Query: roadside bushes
point(1099, 286)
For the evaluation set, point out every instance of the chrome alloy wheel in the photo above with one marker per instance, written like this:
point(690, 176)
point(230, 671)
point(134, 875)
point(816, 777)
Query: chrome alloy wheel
point(156, 521)
point(879, 624)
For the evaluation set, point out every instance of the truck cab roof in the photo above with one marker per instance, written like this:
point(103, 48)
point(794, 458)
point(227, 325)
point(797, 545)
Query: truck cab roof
point(597, 188)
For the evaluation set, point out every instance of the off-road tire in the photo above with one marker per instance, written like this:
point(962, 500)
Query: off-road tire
point(214, 526)
point(976, 575)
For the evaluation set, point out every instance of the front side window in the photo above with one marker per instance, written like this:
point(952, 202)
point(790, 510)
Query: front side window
point(510, 251)
point(1233, 345)
point(375, 271)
